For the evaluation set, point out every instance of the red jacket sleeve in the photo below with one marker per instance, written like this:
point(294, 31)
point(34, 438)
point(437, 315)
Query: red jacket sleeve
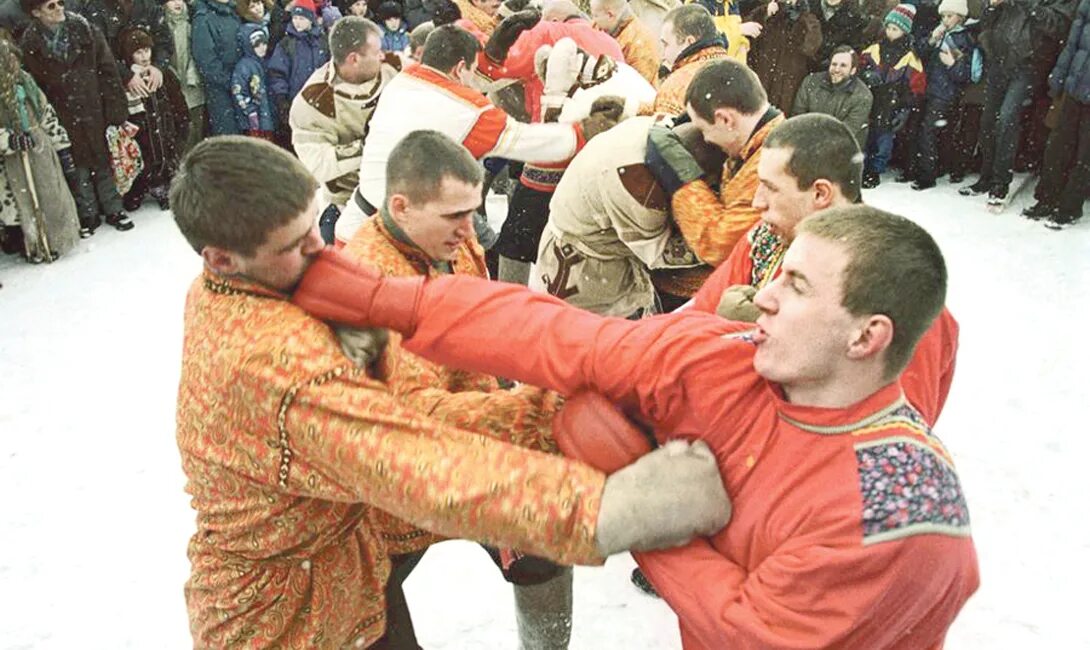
point(735, 270)
point(927, 378)
point(815, 594)
point(658, 367)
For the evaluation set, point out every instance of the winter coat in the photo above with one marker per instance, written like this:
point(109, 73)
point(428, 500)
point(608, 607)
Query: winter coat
point(183, 65)
point(946, 84)
point(782, 54)
point(13, 18)
point(395, 41)
point(83, 85)
point(163, 118)
point(1018, 35)
point(216, 51)
point(58, 209)
point(849, 101)
point(295, 58)
point(113, 17)
point(845, 26)
point(249, 87)
point(896, 79)
point(1072, 72)
point(673, 85)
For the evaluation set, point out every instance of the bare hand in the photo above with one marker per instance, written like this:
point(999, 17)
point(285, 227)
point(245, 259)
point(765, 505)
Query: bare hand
point(155, 79)
point(773, 8)
point(937, 35)
point(947, 57)
point(751, 29)
point(138, 86)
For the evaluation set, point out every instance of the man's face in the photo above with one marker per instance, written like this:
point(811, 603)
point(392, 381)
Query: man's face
point(490, 7)
point(364, 64)
point(603, 18)
point(441, 225)
point(840, 67)
point(280, 262)
point(717, 132)
point(142, 57)
point(671, 46)
point(782, 204)
point(50, 13)
point(175, 6)
point(804, 331)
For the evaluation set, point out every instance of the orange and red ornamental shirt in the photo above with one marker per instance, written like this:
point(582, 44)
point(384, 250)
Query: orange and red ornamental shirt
point(290, 452)
point(850, 526)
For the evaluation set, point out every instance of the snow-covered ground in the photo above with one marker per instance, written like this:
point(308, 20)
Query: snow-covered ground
point(94, 520)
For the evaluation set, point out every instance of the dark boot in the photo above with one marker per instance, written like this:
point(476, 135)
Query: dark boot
point(120, 221)
point(1061, 220)
point(956, 177)
point(923, 184)
point(871, 180)
point(1039, 210)
point(643, 583)
point(905, 177)
point(88, 226)
point(976, 189)
point(998, 194)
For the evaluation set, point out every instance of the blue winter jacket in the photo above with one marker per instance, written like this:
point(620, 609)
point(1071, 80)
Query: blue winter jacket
point(1072, 72)
point(215, 41)
point(295, 58)
point(396, 41)
point(249, 87)
point(947, 83)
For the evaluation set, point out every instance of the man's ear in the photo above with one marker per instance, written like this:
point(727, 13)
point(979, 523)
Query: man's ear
point(872, 339)
point(824, 193)
point(727, 117)
point(398, 204)
point(221, 260)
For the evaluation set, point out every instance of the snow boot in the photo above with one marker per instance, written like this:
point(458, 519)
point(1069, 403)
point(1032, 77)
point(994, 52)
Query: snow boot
point(1038, 211)
point(871, 180)
point(1061, 220)
point(997, 196)
point(977, 188)
point(543, 612)
point(119, 220)
point(921, 184)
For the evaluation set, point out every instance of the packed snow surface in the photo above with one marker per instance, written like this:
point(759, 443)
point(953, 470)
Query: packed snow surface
point(94, 521)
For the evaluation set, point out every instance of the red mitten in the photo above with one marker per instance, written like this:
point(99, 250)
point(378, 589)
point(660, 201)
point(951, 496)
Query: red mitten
point(338, 290)
point(591, 429)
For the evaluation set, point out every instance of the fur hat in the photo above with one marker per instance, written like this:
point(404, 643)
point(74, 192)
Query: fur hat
point(959, 7)
point(132, 40)
point(902, 16)
point(389, 9)
point(306, 9)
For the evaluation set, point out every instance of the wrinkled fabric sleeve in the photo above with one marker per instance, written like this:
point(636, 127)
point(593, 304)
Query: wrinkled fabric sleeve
point(736, 270)
point(712, 227)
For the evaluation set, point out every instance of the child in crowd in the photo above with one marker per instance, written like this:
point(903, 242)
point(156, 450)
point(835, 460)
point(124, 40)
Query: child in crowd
point(395, 36)
point(953, 61)
point(163, 120)
point(328, 13)
point(249, 88)
point(896, 78)
point(357, 8)
point(185, 69)
point(302, 51)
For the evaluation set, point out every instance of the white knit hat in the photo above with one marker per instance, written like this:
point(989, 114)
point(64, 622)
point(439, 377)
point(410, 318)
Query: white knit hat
point(959, 7)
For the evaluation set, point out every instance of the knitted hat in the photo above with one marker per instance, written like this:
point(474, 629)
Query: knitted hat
point(902, 16)
point(959, 7)
point(132, 40)
point(259, 37)
point(306, 9)
point(389, 9)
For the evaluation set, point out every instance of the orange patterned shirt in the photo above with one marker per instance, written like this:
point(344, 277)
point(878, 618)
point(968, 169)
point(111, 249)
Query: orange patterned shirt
point(712, 224)
point(482, 21)
point(641, 49)
point(671, 97)
point(289, 449)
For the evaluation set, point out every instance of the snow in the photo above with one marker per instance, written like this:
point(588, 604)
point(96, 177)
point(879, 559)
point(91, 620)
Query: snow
point(95, 521)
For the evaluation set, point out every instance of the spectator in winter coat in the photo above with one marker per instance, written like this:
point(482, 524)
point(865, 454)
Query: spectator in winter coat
point(327, 12)
point(395, 36)
point(30, 134)
point(1020, 41)
point(185, 69)
point(115, 17)
point(783, 53)
point(952, 61)
point(254, 113)
point(216, 51)
point(302, 51)
point(838, 92)
point(71, 61)
point(163, 119)
point(896, 78)
point(1065, 177)
point(639, 45)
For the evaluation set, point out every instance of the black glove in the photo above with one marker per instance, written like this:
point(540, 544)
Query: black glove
point(508, 32)
point(20, 141)
point(283, 107)
point(669, 161)
point(68, 164)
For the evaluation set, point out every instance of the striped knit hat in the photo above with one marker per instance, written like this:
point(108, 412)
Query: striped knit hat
point(902, 16)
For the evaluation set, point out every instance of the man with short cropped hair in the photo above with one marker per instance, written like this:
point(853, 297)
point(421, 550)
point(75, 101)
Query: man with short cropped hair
point(729, 106)
point(689, 40)
point(838, 92)
point(329, 116)
point(850, 527)
point(640, 48)
point(291, 450)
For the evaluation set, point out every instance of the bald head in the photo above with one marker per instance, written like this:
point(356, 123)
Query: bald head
point(608, 14)
point(558, 11)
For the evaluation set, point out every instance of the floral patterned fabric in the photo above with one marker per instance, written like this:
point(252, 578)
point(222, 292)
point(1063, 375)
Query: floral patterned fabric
point(640, 47)
point(671, 96)
point(125, 159)
point(289, 450)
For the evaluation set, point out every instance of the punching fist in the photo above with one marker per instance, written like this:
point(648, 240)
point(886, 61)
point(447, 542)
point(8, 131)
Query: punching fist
point(736, 303)
point(338, 290)
point(507, 32)
point(663, 500)
point(591, 429)
point(362, 346)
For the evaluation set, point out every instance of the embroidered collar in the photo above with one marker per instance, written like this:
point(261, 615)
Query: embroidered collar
point(834, 421)
point(238, 286)
point(401, 241)
point(709, 48)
